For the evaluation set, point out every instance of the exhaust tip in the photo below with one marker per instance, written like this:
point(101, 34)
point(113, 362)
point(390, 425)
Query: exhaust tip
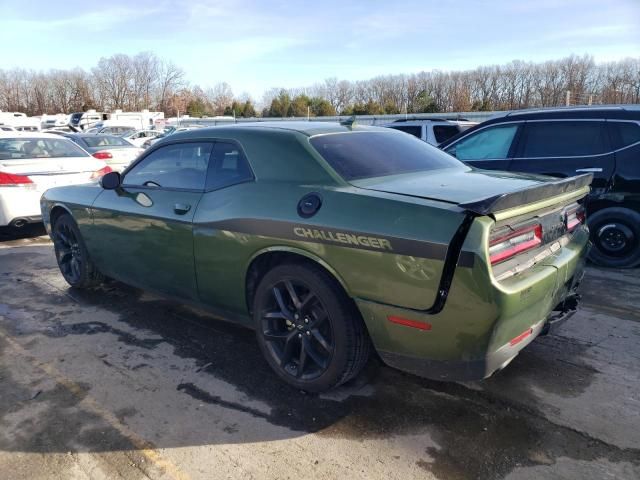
point(19, 223)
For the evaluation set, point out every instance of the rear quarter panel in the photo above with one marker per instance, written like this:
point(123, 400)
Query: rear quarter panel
point(235, 225)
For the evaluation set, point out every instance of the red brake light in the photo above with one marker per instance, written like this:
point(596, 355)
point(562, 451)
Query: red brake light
point(12, 180)
point(100, 173)
point(102, 155)
point(575, 217)
point(503, 247)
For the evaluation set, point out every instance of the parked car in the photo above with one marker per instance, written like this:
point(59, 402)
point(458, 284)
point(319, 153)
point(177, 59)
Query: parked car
point(7, 128)
point(332, 239)
point(113, 129)
point(165, 133)
point(433, 131)
point(563, 142)
point(139, 137)
point(117, 152)
point(30, 163)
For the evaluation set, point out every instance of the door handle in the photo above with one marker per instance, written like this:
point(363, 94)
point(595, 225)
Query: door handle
point(587, 170)
point(181, 208)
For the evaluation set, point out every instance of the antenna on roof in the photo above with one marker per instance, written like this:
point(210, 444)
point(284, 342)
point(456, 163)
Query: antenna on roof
point(349, 122)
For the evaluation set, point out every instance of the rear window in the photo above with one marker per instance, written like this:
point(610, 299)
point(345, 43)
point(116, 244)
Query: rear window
point(105, 141)
point(23, 148)
point(624, 134)
point(415, 130)
point(444, 132)
point(359, 155)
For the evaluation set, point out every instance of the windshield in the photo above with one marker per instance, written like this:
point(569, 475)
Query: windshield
point(105, 141)
point(23, 148)
point(357, 155)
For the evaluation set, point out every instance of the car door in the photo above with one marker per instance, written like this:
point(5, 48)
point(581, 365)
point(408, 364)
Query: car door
point(564, 148)
point(144, 229)
point(490, 147)
point(221, 255)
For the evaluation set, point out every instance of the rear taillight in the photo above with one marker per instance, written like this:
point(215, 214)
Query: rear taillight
point(575, 217)
point(98, 174)
point(503, 245)
point(102, 155)
point(12, 180)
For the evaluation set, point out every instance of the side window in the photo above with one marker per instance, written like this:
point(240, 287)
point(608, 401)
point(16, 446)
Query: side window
point(563, 139)
point(444, 132)
point(415, 130)
point(228, 166)
point(182, 165)
point(492, 143)
point(624, 134)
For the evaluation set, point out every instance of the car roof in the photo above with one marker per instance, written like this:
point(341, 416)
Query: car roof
point(420, 122)
point(599, 111)
point(20, 134)
point(309, 129)
point(613, 112)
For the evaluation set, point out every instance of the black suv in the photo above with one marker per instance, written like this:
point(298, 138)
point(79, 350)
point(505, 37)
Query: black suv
point(569, 141)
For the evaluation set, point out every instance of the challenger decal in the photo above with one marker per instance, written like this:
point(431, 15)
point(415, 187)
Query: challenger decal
point(341, 237)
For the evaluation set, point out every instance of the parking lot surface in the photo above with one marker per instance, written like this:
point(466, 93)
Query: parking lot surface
point(117, 383)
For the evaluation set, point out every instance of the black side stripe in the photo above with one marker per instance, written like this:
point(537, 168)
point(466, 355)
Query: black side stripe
point(342, 238)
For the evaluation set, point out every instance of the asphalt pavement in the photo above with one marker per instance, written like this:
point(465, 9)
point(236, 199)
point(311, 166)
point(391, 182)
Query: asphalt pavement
point(117, 383)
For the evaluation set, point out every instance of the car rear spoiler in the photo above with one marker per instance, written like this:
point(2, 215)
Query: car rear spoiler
point(505, 201)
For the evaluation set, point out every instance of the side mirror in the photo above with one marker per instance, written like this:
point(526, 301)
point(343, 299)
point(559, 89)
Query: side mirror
point(110, 181)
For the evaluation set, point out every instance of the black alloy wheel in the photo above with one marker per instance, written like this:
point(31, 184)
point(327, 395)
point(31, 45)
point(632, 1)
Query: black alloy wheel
point(308, 329)
point(68, 252)
point(297, 330)
point(72, 256)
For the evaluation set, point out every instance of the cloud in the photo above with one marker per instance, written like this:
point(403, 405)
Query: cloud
point(103, 19)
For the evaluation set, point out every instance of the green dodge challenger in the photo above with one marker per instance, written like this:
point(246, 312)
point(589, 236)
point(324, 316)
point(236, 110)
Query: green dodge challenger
point(331, 240)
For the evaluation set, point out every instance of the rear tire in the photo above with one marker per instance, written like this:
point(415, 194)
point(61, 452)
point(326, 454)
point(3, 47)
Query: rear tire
point(72, 255)
point(308, 329)
point(615, 233)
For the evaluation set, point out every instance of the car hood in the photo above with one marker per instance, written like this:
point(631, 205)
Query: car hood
point(453, 185)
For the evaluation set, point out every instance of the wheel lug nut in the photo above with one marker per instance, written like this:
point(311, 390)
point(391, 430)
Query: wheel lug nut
point(306, 320)
point(299, 335)
point(308, 333)
point(296, 316)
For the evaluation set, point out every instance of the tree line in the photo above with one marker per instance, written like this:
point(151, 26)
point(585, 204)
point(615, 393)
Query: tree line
point(147, 81)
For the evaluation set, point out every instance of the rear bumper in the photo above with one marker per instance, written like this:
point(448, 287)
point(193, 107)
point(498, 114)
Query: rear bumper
point(19, 205)
point(479, 369)
point(485, 323)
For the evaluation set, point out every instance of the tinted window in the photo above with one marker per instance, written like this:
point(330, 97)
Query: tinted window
point(19, 148)
point(491, 143)
point(444, 132)
point(375, 154)
point(105, 141)
point(624, 133)
point(228, 166)
point(183, 165)
point(415, 130)
point(563, 139)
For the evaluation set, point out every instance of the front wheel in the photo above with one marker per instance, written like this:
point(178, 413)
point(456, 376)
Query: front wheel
point(72, 256)
point(308, 329)
point(615, 233)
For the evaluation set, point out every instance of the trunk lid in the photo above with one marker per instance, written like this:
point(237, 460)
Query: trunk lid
point(479, 191)
point(52, 172)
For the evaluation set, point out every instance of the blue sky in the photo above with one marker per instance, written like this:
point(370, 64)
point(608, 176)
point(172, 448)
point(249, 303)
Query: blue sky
point(254, 45)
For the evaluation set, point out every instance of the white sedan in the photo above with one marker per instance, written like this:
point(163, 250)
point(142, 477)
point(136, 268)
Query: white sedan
point(139, 137)
point(31, 163)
